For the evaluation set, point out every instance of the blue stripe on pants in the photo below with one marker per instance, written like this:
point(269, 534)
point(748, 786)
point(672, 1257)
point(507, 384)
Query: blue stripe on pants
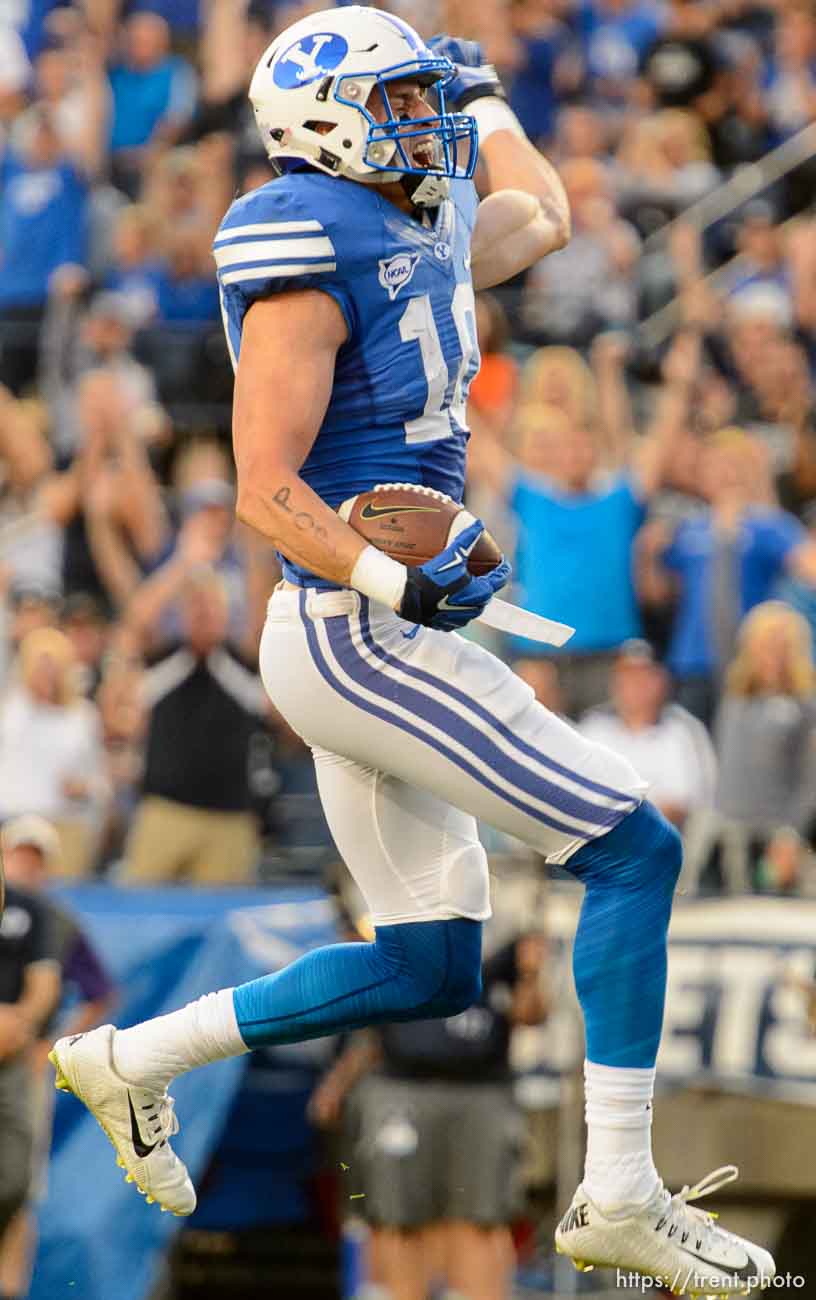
point(440, 719)
point(421, 733)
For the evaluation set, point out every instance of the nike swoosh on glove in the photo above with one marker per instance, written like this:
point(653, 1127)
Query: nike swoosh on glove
point(442, 594)
point(474, 78)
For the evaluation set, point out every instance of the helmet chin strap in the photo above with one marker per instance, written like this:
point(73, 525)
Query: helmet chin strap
point(425, 191)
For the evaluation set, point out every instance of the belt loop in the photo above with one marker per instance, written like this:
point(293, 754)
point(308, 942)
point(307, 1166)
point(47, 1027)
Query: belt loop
point(331, 604)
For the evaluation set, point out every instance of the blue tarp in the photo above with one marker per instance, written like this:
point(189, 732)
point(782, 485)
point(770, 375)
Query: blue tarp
point(99, 1240)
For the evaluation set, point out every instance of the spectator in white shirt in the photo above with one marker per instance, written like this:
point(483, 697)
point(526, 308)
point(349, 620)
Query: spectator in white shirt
point(51, 753)
point(663, 742)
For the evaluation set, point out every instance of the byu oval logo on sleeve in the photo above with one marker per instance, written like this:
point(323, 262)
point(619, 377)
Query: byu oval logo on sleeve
point(309, 58)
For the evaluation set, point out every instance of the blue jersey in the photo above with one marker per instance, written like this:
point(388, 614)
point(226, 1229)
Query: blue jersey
point(397, 409)
point(43, 214)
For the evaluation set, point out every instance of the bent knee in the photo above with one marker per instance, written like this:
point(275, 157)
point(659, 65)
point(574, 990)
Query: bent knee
point(643, 850)
point(462, 983)
point(439, 965)
point(459, 981)
point(461, 993)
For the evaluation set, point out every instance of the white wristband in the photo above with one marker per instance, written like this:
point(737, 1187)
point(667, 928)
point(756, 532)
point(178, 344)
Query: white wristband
point(493, 114)
point(376, 575)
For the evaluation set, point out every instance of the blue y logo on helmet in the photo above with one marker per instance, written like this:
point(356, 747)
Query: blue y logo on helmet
point(309, 58)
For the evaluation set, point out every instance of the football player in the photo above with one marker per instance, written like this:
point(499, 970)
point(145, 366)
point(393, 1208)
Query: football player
point(347, 293)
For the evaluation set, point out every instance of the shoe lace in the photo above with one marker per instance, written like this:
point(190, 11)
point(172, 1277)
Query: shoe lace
point(703, 1220)
point(161, 1116)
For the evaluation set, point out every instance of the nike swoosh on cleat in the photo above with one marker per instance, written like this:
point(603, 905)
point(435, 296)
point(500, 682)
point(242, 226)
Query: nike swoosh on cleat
point(141, 1148)
point(372, 511)
point(743, 1273)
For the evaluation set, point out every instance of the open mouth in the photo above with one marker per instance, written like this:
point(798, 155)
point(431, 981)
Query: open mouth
point(425, 154)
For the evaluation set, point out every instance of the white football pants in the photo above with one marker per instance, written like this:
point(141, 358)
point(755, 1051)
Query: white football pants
point(416, 733)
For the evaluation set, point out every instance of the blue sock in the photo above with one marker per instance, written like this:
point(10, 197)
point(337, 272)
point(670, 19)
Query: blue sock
point(619, 958)
point(410, 972)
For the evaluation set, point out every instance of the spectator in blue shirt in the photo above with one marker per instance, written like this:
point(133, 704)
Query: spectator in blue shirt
point(580, 495)
point(43, 210)
point(546, 64)
point(135, 269)
point(720, 563)
point(177, 345)
point(185, 284)
point(154, 95)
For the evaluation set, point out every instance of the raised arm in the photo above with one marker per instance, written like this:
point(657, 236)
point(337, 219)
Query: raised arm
point(655, 584)
point(89, 147)
point(672, 416)
point(525, 214)
point(195, 551)
point(223, 42)
point(615, 420)
point(649, 458)
point(110, 552)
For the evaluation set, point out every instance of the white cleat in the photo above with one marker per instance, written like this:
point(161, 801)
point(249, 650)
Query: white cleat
point(139, 1122)
point(668, 1240)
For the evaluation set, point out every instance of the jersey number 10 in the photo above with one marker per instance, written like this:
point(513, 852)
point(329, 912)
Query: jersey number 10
point(417, 325)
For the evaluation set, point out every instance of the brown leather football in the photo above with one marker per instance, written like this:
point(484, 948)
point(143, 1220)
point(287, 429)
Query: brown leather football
point(413, 524)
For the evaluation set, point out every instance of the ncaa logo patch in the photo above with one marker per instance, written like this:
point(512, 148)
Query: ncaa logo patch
point(395, 272)
point(442, 251)
point(309, 58)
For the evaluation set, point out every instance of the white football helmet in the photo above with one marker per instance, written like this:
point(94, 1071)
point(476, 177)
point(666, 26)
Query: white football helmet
point(309, 94)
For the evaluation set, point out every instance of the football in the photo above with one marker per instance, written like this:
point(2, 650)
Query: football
point(413, 524)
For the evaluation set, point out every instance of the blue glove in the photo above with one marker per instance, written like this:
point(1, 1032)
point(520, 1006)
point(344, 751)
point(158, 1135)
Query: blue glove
point(474, 78)
point(442, 594)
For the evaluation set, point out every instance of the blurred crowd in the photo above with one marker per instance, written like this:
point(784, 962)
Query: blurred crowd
point(644, 447)
point(643, 426)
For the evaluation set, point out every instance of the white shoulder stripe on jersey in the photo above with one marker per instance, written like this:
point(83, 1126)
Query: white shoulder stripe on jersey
point(267, 228)
point(276, 271)
point(279, 250)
